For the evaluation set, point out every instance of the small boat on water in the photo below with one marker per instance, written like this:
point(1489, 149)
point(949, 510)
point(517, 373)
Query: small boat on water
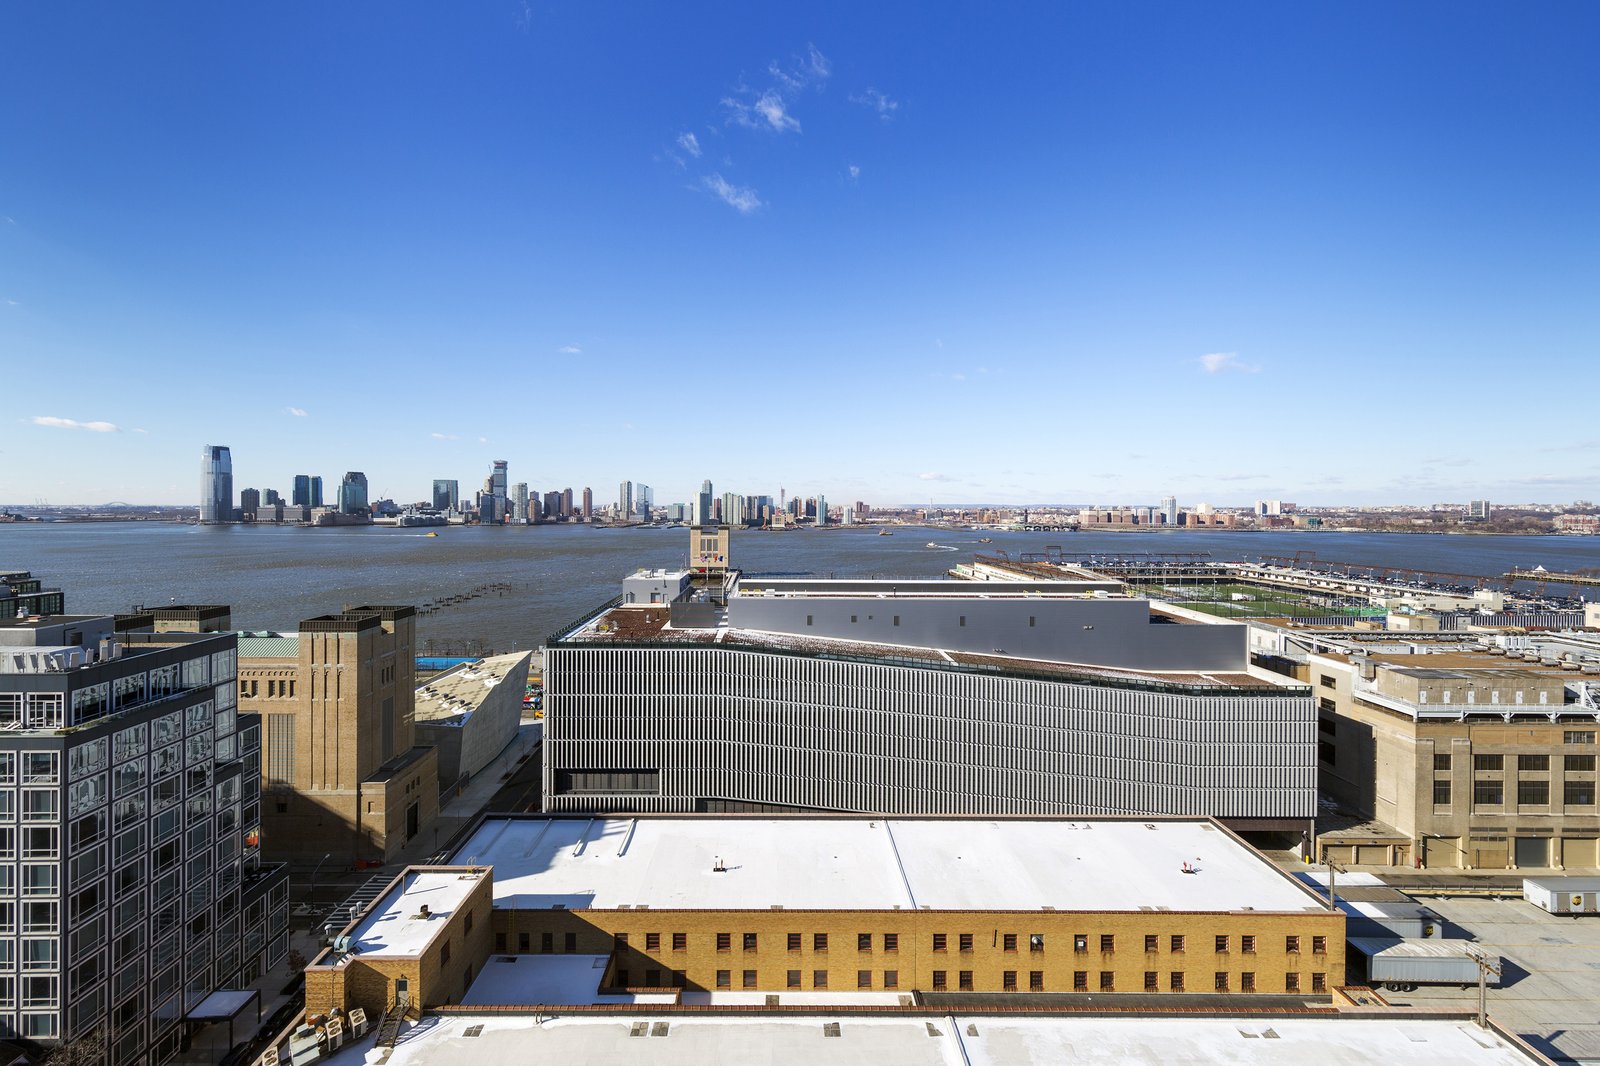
point(931, 544)
point(430, 534)
point(884, 533)
point(985, 540)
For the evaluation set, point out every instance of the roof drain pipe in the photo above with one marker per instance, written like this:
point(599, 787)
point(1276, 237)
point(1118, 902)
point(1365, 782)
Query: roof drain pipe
point(898, 865)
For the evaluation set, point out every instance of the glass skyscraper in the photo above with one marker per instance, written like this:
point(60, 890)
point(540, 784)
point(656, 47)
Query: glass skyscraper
point(216, 484)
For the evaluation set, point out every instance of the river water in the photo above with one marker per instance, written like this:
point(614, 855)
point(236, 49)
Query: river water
point(273, 577)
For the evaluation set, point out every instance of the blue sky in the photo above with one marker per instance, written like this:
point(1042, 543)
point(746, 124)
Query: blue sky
point(894, 252)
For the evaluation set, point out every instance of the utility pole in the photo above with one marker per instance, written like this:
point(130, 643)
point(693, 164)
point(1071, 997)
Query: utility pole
point(1333, 901)
point(1486, 966)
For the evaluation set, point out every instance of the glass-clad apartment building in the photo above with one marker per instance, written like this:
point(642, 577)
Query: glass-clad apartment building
point(131, 884)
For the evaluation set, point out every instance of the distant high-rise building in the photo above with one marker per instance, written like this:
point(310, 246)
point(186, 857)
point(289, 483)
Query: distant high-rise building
point(316, 490)
point(625, 499)
point(588, 502)
point(353, 493)
point(446, 494)
point(822, 510)
point(552, 505)
point(301, 496)
point(703, 511)
point(1169, 510)
point(1269, 508)
point(566, 504)
point(644, 498)
point(519, 502)
point(249, 503)
point(732, 509)
point(270, 497)
point(1479, 510)
point(497, 478)
point(216, 484)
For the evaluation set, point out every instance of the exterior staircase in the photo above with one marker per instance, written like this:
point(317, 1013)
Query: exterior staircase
point(389, 1028)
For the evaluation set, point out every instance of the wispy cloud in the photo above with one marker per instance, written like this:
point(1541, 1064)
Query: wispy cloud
point(1239, 477)
point(854, 172)
point(142, 432)
point(298, 412)
point(768, 111)
point(73, 423)
point(12, 303)
point(483, 440)
point(812, 68)
point(571, 349)
point(1223, 362)
point(933, 477)
point(873, 100)
point(444, 436)
point(525, 17)
point(742, 199)
point(689, 143)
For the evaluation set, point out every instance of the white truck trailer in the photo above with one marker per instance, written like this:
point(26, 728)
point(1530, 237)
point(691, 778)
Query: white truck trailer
point(1563, 895)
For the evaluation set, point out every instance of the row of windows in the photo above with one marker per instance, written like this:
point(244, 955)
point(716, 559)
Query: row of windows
point(1526, 763)
point(1529, 793)
point(1222, 943)
point(889, 980)
point(277, 688)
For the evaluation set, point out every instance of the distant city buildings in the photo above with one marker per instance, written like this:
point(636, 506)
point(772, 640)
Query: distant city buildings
point(446, 494)
point(353, 493)
point(1479, 511)
point(216, 484)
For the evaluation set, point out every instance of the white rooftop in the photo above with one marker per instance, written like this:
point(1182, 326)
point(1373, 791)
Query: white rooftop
point(512, 1040)
point(876, 864)
point(393, 925)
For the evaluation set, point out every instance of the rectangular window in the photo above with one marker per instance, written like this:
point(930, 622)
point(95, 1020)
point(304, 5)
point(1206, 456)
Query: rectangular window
point(891, 942)
point(1533, 763)
point(793, 941)
point(1108, 942)
point(750, 942)
point(1319, 945)
point(652, 941)
point(819, 941)
point(749, 978)
point(1108, 981)
point(1152, 942)
point(724, 978)
point(525, 943)
point(624, 978)
point(1080, 942)
point(1291, 982)
point(1488, 763)
point(1319, 982)
point(1222, 943)
point(1008, 981)
point(1150, 978)
point(680, 978)
point(938, 981)
point(1327, 681)
point(792, 979)
point(680, 941)
point(1008, 942)
point(1533, 793)
point(891, 979)
point(1291, 944)
point(863, 978)
point(1221, 984)
point(1441, 762)
point(569, 943)
point(1247, 944)
point(939, 942)
point(819, 978)
point(1035, 980)
point(1578, 793)
point(1080, 980)
point(1580, 764)
point(1176, 982)
point(1177, 942)
point(965, 941)
point(964, 980)
point(1488, 793)
point(444, 954)
point(1247, 982)
point(863, 941)
point(1441, 792)
point(547, 942)
point(724, 941)
point(1578, 736)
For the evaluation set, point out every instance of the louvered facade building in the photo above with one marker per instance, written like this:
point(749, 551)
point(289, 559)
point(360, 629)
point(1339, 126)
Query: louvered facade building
point(922, 698)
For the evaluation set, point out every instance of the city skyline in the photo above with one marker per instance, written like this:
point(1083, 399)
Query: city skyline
point(1090, 253)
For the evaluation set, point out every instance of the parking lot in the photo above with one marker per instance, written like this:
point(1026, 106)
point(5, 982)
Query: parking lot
point(1550, 990)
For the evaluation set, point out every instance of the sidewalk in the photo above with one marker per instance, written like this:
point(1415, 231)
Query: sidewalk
point(459, 809)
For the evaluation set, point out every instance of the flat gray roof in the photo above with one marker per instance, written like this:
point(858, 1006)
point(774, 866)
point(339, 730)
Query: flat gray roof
point(949, 1040)
point(863, 863)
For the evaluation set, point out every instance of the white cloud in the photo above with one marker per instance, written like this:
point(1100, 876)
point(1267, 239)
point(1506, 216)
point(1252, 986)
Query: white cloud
point(143, 432)
point(444, 436)
point(1221, 362)
point(741, 199)
point(483, 440)
point(525, 17)
point(73, 423)
point(854, 171)
point(873, 100)
point(298, 412)
point(689, 143)
point(812, 68)
point(571, 349)
point(767, 111)
point(933, 477)
point(12, 303)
